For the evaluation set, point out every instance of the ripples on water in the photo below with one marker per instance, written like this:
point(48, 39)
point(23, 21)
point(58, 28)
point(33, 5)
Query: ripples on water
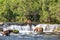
point(39, 37)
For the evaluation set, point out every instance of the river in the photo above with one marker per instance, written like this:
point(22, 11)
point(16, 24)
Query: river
point(30, 37)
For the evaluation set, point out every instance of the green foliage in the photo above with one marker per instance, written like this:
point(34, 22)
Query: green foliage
point(42, 11)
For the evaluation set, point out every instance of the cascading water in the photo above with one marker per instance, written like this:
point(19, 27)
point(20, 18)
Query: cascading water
point(48, 28)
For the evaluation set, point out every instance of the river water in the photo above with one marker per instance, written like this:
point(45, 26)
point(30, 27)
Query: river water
point(30, 37)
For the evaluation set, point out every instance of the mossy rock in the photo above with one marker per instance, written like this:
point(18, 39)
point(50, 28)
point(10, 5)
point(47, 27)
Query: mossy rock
point(15, 31)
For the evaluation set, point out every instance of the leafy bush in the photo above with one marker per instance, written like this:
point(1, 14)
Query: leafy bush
point(49, 10)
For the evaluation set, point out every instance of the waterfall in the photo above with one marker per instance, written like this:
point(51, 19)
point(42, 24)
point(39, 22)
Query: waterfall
point(48, 27)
